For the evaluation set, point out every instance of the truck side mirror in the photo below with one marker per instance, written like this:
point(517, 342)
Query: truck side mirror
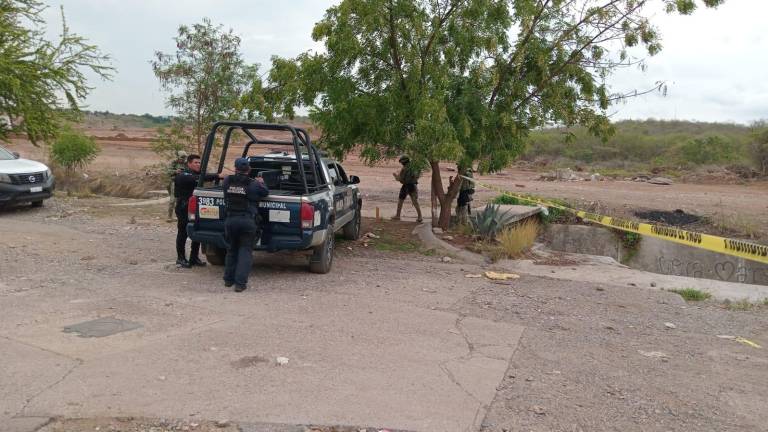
point(354, 179)
point(16, 155)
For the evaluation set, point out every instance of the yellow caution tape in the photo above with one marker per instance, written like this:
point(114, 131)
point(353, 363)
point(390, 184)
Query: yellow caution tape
point(747, 342)
point(727, 246)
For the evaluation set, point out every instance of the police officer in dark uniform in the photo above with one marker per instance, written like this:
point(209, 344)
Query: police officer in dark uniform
point(184, 186)
point(242, 195)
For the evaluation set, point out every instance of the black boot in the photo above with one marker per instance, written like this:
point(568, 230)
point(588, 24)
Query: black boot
point(195, 261)
point(183, 263)
point(240, 288)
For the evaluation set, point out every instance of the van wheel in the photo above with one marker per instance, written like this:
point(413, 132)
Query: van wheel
point(352, 228)
point(322, 256)
point(37, 203)
point(214, 255)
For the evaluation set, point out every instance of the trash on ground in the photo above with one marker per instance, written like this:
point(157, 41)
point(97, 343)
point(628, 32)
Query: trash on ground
point(500, 276)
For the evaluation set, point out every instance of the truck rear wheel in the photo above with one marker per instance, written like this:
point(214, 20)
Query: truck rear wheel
point(214, 255)
point(322, 256)
point(352, 228)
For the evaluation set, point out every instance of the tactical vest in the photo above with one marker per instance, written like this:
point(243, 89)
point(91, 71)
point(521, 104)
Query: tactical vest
point(236, 195)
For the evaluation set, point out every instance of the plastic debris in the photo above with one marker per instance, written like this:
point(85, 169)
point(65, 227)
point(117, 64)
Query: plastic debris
point(747, 342)
point(501, 276)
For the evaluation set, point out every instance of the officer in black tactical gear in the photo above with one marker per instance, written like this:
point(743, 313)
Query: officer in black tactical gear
point(184, 186)
point(242, 195)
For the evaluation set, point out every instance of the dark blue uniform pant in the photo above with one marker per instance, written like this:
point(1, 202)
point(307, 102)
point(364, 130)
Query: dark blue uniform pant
point(240, 232)
point(182, 218)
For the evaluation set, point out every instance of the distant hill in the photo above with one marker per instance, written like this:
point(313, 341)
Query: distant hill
point(108, 120)
point(654, 142)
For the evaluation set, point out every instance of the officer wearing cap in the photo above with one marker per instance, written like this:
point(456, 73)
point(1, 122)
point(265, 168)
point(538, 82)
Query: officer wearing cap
point(241, 195)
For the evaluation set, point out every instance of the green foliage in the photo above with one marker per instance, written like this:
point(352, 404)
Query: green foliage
point(711, 149)
point(654, 142)
point(171, 139)
point(758, 147)
point(206, 77)
point(35, 73)
point(692, 294)
point(490, 221)
point(466, 81)
point(73, 150)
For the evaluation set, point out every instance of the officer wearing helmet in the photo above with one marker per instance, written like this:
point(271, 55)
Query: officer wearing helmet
point(174, 167)
point(241, 195)
point(409, 178)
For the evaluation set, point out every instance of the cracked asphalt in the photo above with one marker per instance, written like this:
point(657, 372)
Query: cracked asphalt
point(387, 340)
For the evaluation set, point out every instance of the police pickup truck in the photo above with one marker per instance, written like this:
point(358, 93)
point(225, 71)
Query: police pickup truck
point(310, 199)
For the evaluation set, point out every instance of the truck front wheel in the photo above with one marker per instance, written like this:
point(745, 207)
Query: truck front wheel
point(214, 255)
point(322, 256)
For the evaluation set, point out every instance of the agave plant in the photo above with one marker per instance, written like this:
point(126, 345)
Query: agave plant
point(489, 222)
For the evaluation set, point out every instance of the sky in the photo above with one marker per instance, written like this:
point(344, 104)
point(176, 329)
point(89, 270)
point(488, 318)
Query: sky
point(714, 62)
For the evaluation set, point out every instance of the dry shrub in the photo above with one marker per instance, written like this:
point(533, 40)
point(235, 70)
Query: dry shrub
point(518, 238)
point(512, 242)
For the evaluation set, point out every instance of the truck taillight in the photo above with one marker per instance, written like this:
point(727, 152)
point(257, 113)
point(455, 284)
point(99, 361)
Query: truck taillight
point(307, 215)
point(192, 208)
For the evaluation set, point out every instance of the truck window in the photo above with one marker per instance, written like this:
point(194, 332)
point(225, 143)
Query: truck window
point(335, 178)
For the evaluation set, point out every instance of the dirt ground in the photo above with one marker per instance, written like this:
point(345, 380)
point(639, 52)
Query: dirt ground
point(592, 357)
point(731, 209)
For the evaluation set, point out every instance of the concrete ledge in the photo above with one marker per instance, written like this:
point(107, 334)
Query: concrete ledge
point(431, 241)
point(605, 270)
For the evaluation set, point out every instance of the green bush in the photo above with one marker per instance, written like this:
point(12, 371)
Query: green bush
point(73, 150)
point(490, 221)
point(759, 150)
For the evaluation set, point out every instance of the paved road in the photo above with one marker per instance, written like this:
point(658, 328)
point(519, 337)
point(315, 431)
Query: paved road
point(391, 340)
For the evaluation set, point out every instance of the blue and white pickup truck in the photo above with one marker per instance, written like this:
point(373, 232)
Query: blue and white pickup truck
point(308, 202)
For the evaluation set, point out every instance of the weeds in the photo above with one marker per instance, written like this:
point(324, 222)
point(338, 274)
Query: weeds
point(518, 238)
point(745, 305)
point(692, 294)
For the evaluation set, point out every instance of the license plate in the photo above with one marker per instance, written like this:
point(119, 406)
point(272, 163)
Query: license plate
point(36, 189)
point(209, 212)
point(279, 216)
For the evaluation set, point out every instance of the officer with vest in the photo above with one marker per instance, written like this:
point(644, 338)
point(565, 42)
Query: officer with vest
point(409, 178)
point(241, 195)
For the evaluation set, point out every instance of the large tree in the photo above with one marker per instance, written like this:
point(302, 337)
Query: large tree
point(206, 77)
point(41, 81)
point(464, 81)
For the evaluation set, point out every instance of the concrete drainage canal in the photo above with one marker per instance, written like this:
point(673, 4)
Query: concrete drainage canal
point(654, 255)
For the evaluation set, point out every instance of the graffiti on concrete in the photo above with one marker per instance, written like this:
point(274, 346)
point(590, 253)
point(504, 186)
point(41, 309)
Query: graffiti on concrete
point(727, 271)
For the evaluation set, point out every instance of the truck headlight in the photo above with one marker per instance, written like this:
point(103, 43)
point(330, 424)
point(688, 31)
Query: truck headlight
point(5, 178)
point(48, 174)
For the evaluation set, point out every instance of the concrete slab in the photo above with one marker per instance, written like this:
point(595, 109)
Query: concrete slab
point(351, 361)
point(24, 424)
point(26, 372)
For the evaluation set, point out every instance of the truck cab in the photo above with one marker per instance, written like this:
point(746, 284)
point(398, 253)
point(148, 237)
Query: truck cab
point(311, 197)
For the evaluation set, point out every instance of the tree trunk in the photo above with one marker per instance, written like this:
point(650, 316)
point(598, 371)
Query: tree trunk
point(445, 199)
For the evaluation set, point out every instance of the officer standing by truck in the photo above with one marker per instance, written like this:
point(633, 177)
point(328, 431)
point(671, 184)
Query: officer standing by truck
point(184, 186)
point(174, 168)
point(241, 195)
